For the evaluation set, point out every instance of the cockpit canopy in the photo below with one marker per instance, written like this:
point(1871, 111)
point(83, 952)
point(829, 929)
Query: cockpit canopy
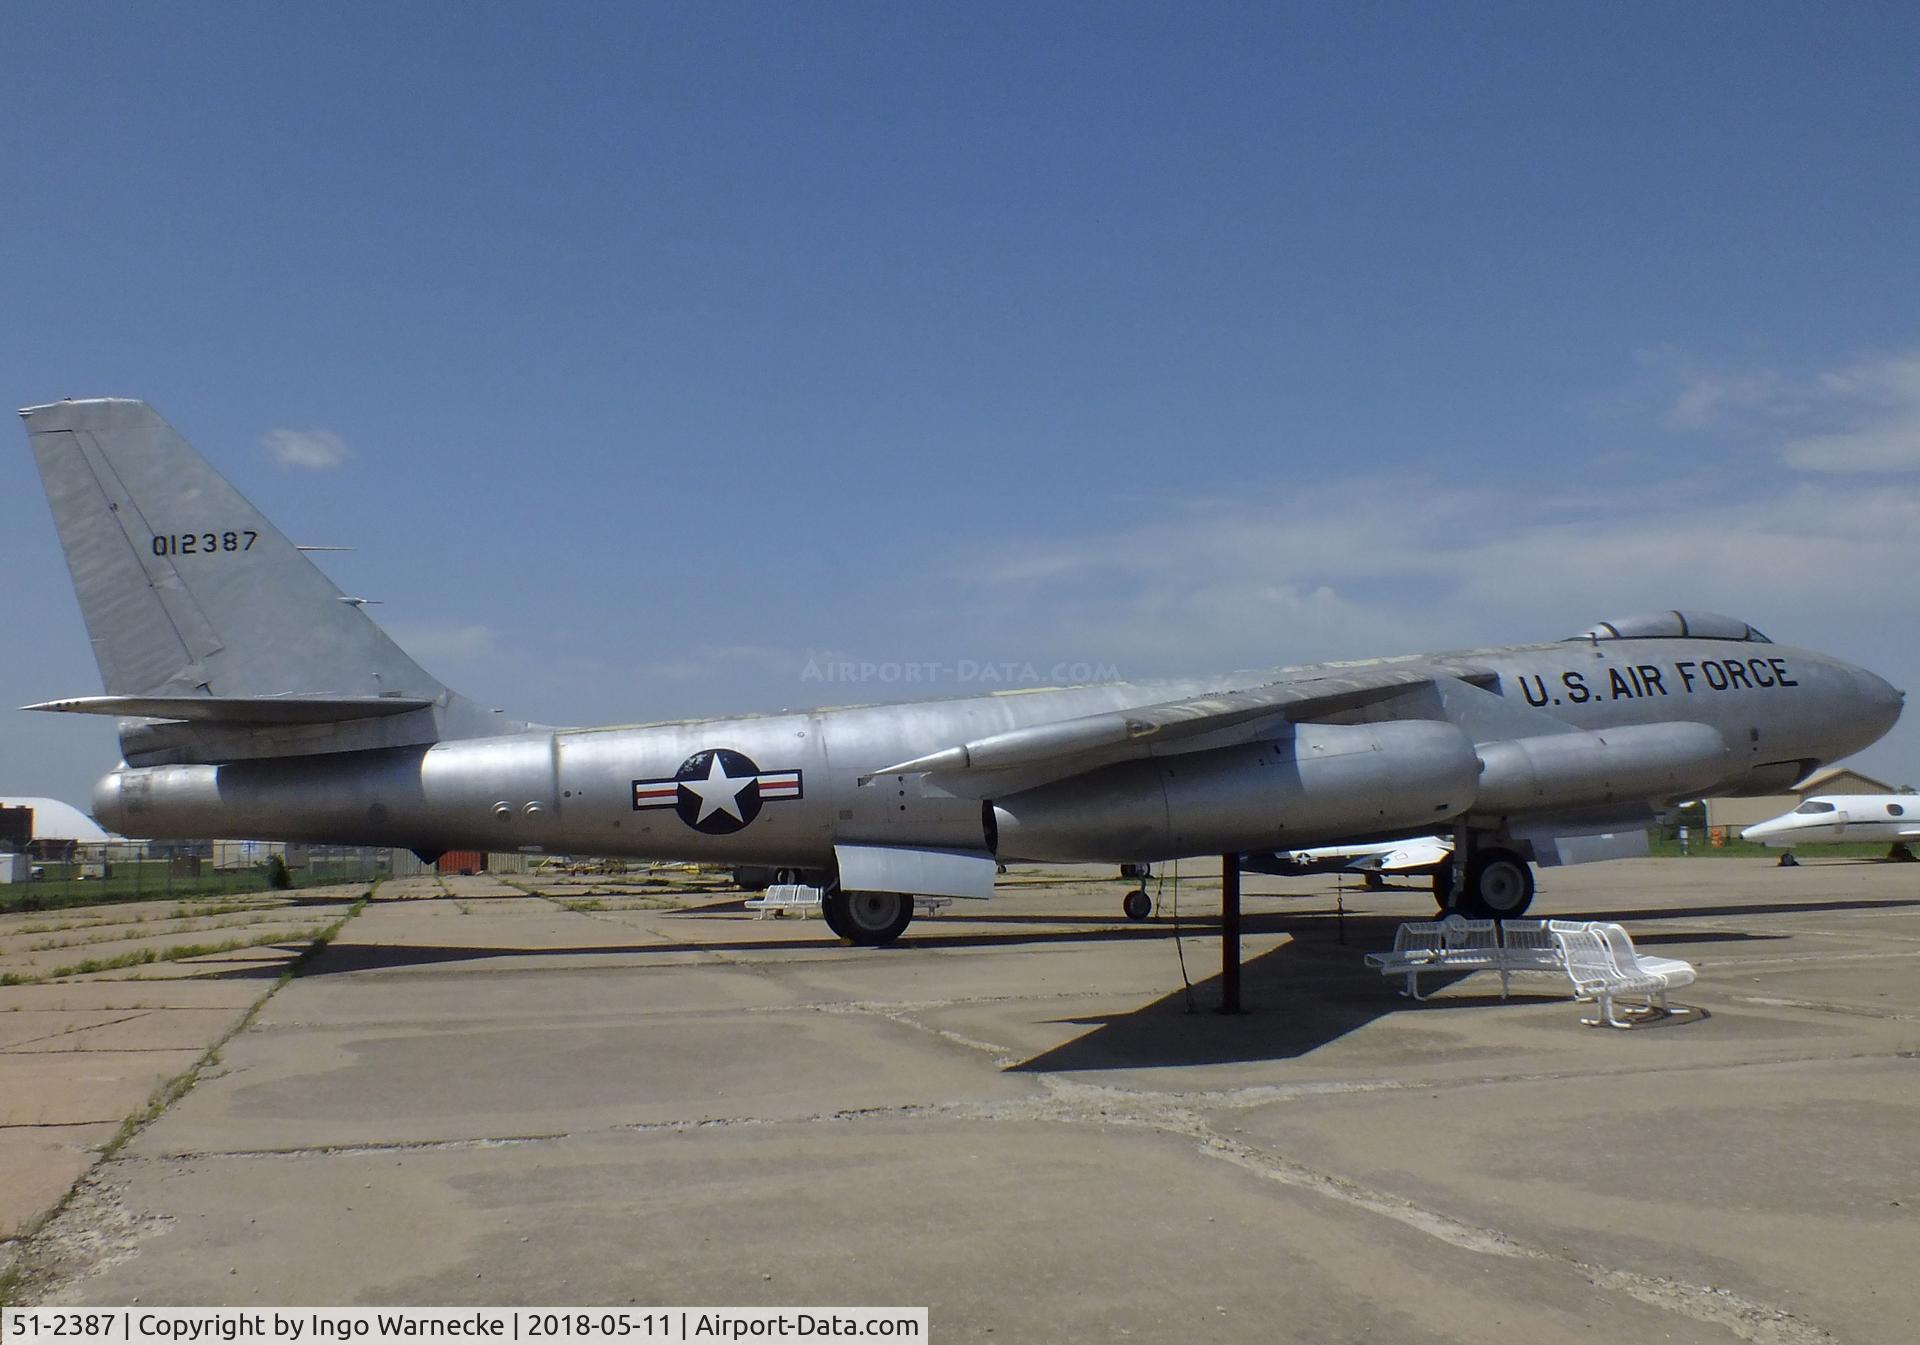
point(1674, 625)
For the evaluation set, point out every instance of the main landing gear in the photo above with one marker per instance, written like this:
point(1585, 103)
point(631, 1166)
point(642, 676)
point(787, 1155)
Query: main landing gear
point(1137, 905)
point(1498, 885)
point(870, 919)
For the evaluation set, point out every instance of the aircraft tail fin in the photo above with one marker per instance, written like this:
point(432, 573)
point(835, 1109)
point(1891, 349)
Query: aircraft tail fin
point(188, 591)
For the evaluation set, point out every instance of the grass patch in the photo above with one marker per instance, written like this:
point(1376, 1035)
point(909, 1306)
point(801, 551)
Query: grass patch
point(10, 1284)
point(227, 908)
point(148, 880)
point(1699, 847)
point(121, 933)
point(581, 904)
point(317, 937)
point(179, 952)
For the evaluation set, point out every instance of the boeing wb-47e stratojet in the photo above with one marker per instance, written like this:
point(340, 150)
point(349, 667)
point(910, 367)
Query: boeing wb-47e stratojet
point(255, 699)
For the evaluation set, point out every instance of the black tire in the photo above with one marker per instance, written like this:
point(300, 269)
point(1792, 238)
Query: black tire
point(1137, 904)
point(831, 911)
point(1499, 886)
point(1443, 887)
point(869, 919)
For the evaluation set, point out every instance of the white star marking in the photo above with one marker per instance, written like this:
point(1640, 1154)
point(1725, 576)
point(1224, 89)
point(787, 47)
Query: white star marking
point(719, 792)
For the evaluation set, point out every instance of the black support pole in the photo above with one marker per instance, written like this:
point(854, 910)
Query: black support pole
point(1230, 933)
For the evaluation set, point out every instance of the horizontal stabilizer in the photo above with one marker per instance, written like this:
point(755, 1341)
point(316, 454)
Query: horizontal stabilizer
point(239, 709)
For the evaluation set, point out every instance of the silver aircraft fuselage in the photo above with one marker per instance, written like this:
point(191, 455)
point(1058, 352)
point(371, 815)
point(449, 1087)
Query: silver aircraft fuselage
point(784, 789)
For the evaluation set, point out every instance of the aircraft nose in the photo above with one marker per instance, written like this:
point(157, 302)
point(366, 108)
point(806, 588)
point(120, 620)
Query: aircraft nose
point(1883, 698)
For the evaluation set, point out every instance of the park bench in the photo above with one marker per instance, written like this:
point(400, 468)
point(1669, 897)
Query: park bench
point(783, 897)
point(1603, 965)
point(1597, 958)
point(805, 901)
point(1455, 944)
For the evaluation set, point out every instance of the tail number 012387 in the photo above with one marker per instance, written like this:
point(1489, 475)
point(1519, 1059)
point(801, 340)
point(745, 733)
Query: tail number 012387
point(198, 543)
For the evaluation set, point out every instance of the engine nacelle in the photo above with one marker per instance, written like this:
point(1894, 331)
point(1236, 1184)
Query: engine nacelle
point(1323, 782)
point(1639, 763)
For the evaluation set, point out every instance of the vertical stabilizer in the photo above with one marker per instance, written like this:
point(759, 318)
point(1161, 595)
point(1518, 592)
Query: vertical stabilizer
point(187, 590)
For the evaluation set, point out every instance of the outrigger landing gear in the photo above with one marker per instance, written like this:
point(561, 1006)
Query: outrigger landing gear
point(1137, 904)
point(869, 919)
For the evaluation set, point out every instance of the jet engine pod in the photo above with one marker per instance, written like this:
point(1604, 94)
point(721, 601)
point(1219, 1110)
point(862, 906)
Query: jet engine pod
point(1319, 782)
point(1638, 763)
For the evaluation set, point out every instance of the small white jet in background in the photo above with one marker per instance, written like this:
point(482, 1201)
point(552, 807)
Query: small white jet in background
point(1375, 862)
point(1829, 818)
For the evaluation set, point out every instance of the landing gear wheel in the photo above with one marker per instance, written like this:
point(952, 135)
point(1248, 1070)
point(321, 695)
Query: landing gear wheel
point(1499, 886)
point(1137, 904)
point(1443, 886)
point(869, 919)
point(833, 912)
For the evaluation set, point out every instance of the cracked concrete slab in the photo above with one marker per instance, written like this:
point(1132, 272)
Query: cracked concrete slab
point(1009, 1228)
point(125, 1030)
point(41, 1163)
point(1013, 1118)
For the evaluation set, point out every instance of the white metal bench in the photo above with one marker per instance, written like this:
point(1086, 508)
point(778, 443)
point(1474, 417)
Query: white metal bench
point(805, 901)
point(1598, 958)
point(1455, 944)
point(1604, 965)
point(1528, 946)
point(783, 897)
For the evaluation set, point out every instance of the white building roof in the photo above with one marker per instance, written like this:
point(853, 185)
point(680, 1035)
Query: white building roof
point(57, 821)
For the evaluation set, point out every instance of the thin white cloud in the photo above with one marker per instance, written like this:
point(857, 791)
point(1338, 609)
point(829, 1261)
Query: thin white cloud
point(1708, 399)
point(1880, 400)
point(1343, 574)
point(1893, 447)
point(1863, 417)
point(306, 450)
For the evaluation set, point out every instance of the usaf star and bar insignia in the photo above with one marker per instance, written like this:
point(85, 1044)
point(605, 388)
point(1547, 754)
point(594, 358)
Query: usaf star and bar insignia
point(717, 791)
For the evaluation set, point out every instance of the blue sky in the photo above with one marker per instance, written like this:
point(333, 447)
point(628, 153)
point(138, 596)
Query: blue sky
point(661, 359)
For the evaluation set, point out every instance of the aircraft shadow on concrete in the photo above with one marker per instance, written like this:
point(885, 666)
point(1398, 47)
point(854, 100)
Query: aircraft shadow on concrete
point(1296, 998)
point(1363, 933)
point(1304, 994)
point(338, 958)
